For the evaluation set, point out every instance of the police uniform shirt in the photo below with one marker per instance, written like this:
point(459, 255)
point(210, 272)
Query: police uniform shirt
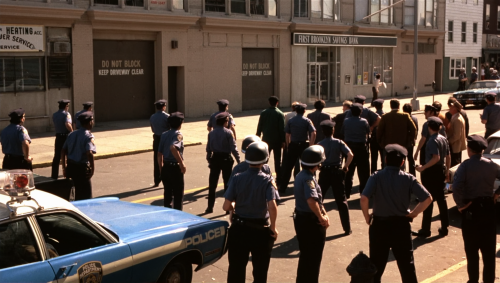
point(415, 121)
point(379, 112)
point(391, 189)
point(251, 190)
point(491, 114)
point(243, 166)
point(298, 127)
point(169, 138)
point(474, 178)
point(78, 143)
point(77, 122)
point(425, 131)
point(212, 122)
point(334, 151)
point(355, 129)
point(437, 144)
point(60, 118)
point(367, 114)
point(159, 122)
point(305, 186)
point(12, 139)
point(222, 140)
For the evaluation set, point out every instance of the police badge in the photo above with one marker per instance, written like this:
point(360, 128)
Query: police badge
point(90, 272)
point(179, 137)
point(311, 184)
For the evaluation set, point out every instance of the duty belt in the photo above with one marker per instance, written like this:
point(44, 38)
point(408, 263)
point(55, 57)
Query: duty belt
point(170, 164)
point(14, 156)
point(256, 223)
point(61, 135)
point(305, 214)
point(331, 166)
point(392, 218)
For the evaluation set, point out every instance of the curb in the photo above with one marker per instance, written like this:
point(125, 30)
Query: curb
point(111, 155)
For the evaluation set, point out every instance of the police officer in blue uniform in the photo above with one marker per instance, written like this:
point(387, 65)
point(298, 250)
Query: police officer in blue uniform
point(87, 106)
point(299, 130)
point(63, 125)
point(171, 161)
point(159, 125)
point(491, 114)
point(243, 166)
point(332, 173)
point(390, 228)
point(356, 131)
point(251, 197)
point(375, 148)
point(371, 117)
point(429, 111)
point(16, 143)
point(310, 218)
point(221, 143)
point(434, 173)
point(223, 107)
point(472, 190)
point(78, 157)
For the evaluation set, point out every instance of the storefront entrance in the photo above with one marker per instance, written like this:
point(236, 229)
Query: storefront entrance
point(323, 73)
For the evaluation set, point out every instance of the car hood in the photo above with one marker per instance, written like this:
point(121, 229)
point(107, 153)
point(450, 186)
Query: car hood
point(131, 220)
point(477, 90)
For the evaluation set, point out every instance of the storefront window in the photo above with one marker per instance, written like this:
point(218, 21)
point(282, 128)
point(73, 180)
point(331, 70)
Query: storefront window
point(388, 65)
point(215, 5)
point(300, 8)
point(22, 74)
point(373, 61)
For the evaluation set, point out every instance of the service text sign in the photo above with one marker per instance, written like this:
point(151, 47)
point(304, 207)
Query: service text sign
point(343, 40)
point(21, 38)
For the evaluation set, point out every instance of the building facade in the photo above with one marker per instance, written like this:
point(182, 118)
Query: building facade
point(491, 33)
point(125, 54)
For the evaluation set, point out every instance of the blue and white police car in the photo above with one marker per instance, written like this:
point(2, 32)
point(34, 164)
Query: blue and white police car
point(44, 238)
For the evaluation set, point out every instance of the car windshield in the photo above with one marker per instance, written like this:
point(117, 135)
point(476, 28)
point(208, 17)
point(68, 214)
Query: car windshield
point(483, 84)
point(493, 147)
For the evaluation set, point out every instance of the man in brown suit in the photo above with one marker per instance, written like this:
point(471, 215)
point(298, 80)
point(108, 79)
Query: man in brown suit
point(456, 133)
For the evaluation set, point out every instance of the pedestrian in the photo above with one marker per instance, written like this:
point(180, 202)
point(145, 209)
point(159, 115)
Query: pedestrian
point(78, 157)
point(223, 107)
point(472, 186)
point(462, 80)
point(483, 72)
point(298, 131)
point(63, 126)
point(243, 166)
point(251, 197)
point(375, 148)
point(448, 116)
point(438, 107)
point(87, 106)
point(339, 120)
point(310, 218)
point(221, 143)
point(159, 124)
point(429, 111)
point(407, 108)
point(170, 159)
point(456, 133)
point(473, 76)
point(390, 227)
point(489, 74)
point(495, 75)
point(293, 113)
point(272, 128)
point(289, 116)
point(375, 87)
point(434, 173)
point(356, 131)
point(332, 173)
point(370, 116)
point(491, 115)
point(317, 117)
point(16, 142)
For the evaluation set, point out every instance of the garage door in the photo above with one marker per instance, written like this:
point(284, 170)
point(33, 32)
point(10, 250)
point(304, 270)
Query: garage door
point(257, 77)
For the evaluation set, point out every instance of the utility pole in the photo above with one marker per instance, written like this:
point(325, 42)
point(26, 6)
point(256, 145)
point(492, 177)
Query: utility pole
point(414, 102)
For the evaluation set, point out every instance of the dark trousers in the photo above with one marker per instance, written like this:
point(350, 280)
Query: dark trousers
point(275, 147)
point(334, 177)
point(58, 145)
point(360, 160)
point(311, 236)
point(156, 173)
point(375, 93)
point(173, 185)
point(489, 132)
point(479, 234)
point(375, 149)
point(83, 185)
point(292, 155)
point(392, 234)
point(16, 162)
point(218, 163)
point(242, 241)
point(433, 180)
point(456, 158)
point(411, 161)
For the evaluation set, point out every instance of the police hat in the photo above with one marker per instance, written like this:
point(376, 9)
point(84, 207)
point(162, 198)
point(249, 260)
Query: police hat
point(249, 140)
point(430, 108)
point(86, 116)
point(313, 155)
point(273, 99)
point(177, 115)
point(490, 95)
point(378, 102)
point(257, 153)
point(161, 102)
point(223, 102)
point(88, 104)
point(396, 150)
point(301, 106)
point(17, 113)
point(434, 121)
point(360, 98)
point(64, 101)
point(477, 143)
point(327, 123)
point(222, 115)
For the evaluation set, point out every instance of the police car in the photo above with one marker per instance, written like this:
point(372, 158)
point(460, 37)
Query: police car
point(477, 90)
point(44, 238)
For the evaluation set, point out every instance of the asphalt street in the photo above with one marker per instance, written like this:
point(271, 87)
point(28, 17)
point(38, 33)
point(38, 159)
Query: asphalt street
point(130, 179)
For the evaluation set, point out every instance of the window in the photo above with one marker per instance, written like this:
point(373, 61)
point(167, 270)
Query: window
point(136, 3)
point(178, 4)
point(474, 32)
point(455, 66)
point(426, 48)
point(487, 16)
point(450, 31)
point(17, 244)
point(300, 8)
point(59, 72)
point(409, 12)
point(325, 9)
point(475, 62)
point(272, 7)
point(384, 16)
point(106, 2)
point(464, 31)
point(215, 5)
point(22, 74)
point(427, 12)
point(372, 61)
point(238, 7)
point(361, 9)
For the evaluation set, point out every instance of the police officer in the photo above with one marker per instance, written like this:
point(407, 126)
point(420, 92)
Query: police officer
point(62, 124)
point(243, 166)
point(16, 143)
point(87, 106)
point(78, 157)
point(429, 111)
point(370, 116)
point(332, 173)
point(298, 130)
point(356, 131)
point(223, 107)
point(171, 161)
point(433, 175)
point(375, 148)
point(159, 125)
point(251, 197)
point(491, 115)
point(390, 228)
point(220, 145)
point(310, 218)
point(472, 186)
point(339, 120)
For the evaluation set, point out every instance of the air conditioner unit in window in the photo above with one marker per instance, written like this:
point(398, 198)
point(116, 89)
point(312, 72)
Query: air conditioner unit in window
point(62, 48)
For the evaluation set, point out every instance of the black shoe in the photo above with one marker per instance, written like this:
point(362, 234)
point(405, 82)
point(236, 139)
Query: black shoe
point(347, 233)
point(227, 212)
point(209, 210)
point(443, 232)
point(421, 234)
point(281, 191)
point(156, 184)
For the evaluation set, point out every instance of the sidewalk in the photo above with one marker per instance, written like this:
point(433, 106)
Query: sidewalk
point(131, 137)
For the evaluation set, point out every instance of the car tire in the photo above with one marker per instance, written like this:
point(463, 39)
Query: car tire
point(177, 271)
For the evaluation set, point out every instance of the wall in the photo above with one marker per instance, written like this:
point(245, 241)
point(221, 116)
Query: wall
point(455, 12)
point(299, 74)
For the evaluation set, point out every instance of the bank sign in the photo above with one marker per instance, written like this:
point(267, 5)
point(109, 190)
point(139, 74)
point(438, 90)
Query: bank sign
point(343, 40)
point(21, 38)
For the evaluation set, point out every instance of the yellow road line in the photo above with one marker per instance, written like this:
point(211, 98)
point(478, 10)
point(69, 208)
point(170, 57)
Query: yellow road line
point(446, 272)
point(161, 196)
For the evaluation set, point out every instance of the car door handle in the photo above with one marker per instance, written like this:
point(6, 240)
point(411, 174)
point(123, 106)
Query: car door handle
point(64, 268)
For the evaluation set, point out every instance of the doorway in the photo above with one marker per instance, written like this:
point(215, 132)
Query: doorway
point(437, 75)
point(323, 73)
point(172, 90)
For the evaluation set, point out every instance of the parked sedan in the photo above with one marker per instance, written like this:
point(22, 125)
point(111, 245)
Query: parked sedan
point(475, 93)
